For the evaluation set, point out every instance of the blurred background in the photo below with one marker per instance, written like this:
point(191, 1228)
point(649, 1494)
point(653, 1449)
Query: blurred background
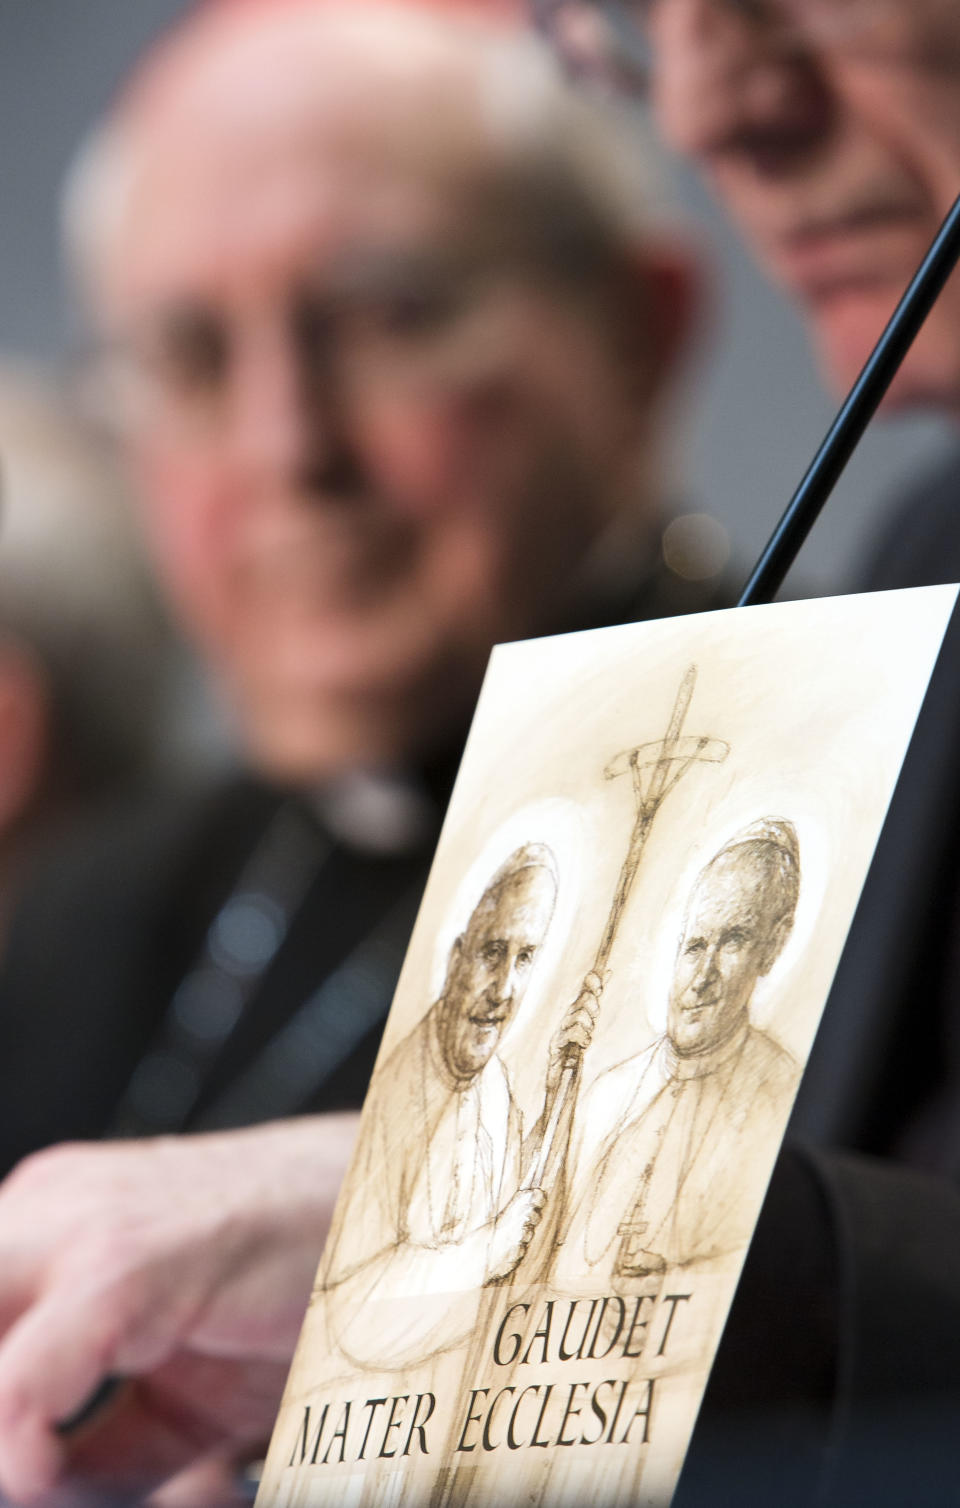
point(754, 415)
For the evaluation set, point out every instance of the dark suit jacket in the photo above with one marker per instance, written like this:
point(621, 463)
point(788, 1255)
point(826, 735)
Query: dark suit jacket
point(886, 1065)
point(838, 1380)
point(117, 916)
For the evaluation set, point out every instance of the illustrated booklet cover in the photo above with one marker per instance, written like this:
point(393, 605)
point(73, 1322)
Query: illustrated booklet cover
point(654, 851)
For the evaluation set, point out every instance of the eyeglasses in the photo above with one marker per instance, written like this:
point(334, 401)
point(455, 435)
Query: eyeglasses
point(606, 41)
point(912, 32)
point(601, 41)
point(405, 330)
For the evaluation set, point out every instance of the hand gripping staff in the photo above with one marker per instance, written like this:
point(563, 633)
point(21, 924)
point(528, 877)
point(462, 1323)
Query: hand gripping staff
point(657, 769)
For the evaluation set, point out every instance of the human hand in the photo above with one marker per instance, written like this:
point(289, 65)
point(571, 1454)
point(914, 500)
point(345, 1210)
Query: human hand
point(575, 1032)
point(513, 1232)
point(183, 1266)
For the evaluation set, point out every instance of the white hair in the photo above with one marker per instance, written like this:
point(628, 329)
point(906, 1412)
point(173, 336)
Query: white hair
point(597, 153)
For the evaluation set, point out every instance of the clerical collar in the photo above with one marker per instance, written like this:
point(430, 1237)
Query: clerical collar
point(382, 813)
point(699, 1065)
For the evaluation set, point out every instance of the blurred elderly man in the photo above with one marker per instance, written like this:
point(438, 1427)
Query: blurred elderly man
point(384, 332)
point(804, 120)
point(828, 129)
point(386, 392)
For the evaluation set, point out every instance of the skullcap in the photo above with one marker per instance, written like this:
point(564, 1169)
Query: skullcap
point(776, 831)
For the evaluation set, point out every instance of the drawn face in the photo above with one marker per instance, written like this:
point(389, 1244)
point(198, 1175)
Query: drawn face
point(728, 942)
point(490, 967)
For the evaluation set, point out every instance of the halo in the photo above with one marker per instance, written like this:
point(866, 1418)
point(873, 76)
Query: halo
point(815, 861)
point(560, 825)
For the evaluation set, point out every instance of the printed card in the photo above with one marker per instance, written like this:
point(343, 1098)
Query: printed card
point(654, 851)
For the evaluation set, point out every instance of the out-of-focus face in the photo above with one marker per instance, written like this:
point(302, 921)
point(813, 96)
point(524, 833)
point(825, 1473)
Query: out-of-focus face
point(377, 440)
point(490, 968)
point(728, 942)
point(831, 132)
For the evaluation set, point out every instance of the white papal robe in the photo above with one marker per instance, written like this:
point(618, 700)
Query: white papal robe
point(437, 1160)
point(668, 1156)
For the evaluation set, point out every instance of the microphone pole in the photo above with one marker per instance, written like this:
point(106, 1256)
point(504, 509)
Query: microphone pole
point(848, 428)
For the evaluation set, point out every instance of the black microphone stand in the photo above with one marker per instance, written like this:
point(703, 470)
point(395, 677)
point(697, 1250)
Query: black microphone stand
point(848, 428)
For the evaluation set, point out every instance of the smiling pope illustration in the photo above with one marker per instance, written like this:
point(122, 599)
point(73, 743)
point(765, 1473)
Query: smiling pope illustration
point(664, 1140)
point(436, 1208)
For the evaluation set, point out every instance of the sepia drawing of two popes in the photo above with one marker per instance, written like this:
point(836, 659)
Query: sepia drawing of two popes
point(454, 1192)
point(523, 1290)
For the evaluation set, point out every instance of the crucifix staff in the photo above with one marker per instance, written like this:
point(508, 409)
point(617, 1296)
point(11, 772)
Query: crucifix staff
point(656, 769)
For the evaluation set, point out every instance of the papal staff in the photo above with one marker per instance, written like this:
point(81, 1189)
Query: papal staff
point(656, 769)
